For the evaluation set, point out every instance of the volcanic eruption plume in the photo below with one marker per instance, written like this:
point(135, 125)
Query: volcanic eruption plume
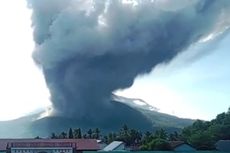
point(89, 48)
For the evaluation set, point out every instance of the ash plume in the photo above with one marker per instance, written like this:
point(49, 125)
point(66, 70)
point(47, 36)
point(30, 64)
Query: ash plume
point(89, 48)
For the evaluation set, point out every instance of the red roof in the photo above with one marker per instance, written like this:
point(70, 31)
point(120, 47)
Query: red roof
point(79, 144)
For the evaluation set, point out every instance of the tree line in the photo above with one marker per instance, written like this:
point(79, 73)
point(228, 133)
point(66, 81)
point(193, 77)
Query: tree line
point(157, 140)
point(202, 135)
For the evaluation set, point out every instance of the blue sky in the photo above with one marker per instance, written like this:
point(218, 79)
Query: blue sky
point(196, 84)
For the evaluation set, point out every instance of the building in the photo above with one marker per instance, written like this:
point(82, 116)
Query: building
point(181, 146)
point(115, 146)
point(47, 145)
point(223, 145)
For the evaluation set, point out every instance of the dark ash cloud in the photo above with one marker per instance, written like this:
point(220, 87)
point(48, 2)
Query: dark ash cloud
point(89, 48)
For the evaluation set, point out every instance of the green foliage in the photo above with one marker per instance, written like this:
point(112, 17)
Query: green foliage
point(77, 133)
point(161, 134)
point(201, 134)
point(204, 134)
point(70, 133)
point(156, 144)
point(146, 138)
point(105, 139)
point(63, 135)
point(159, 144)
point(156, 141)
point(53, 136)
point(90, 132)
point(175, 136)
point(131, 137)
point(96, 133)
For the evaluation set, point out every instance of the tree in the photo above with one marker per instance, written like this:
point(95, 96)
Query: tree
point(70, 133)
point(202, 141)
point(159, 144)
point(77, 133)
point(134, 137)
point(114, 136)
point(110, 137)
point(105, 139)
point(204, 134)
point(147, 137)
point(90, 132)
point(63, 135)
point(53, 136)
point(84, 136)
point(124, 134)
point(228, 112)
point(139, 137)
point(96, 133)
point(161, 134)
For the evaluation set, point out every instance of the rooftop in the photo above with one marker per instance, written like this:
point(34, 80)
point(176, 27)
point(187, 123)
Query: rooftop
point(79, 144)
point(113, 145)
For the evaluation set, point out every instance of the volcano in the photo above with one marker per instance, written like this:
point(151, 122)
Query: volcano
point(145, 117)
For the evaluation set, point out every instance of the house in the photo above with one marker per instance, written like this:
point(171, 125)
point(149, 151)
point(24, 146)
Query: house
point(181, 146)
point(223, 145)
point(48, 145)
point(115, 146)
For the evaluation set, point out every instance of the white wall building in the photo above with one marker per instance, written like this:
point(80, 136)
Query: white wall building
point(42, 150)
point(47, 145)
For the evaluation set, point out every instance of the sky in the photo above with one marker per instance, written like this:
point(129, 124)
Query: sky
point(22, 86)
point(194, 85)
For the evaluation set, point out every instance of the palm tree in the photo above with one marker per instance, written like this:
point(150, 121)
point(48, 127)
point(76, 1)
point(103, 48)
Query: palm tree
point(53, 136)
point(96, 133)
point(136, 136)
point(147, 137)
point(110, 138)
point(70, 133)
point(77, 133)
point(90, 132)
point(63, 135)
point(105, 139)
point(161, 134)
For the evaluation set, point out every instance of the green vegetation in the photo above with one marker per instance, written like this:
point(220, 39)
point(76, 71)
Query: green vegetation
point(131, 137)
point(201, 134)
point(204, 134)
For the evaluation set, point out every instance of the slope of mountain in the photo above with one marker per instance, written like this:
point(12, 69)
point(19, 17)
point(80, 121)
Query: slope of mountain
point(157, 119)
point(138, 114)
point(18, 127)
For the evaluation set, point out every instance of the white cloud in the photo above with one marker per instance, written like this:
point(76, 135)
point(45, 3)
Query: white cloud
point(22, 87)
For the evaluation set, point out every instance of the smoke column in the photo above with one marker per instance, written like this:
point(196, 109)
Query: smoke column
point(89, 48)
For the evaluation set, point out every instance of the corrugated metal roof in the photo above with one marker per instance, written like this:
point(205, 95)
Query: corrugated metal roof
point(112, 146)
point(80, 144)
